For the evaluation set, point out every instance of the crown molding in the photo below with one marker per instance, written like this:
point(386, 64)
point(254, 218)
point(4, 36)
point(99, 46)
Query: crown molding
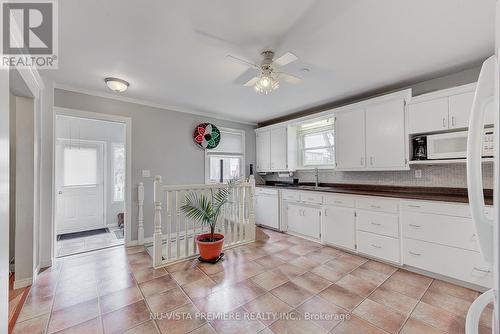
point(149, 103)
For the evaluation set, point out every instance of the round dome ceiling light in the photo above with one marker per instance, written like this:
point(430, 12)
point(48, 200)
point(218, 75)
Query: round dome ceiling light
point(116, 85)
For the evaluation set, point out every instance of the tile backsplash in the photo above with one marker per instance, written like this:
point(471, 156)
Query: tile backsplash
point(452, 175)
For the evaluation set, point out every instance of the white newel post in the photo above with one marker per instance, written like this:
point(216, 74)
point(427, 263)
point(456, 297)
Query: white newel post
point(251, 216)
point(140, 220)
point(157, 242)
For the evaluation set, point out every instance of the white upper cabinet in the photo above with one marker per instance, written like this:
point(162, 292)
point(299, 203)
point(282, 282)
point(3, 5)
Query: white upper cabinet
point(276, 149)
point(263, 148)
point(373, 135)
point(350, 139)
point(428, 116)
point(459, 110)
point(279, 149)
point(447, 109)
point(385, 135)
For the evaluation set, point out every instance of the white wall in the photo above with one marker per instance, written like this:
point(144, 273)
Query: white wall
point(108, 132)
point(24, 189)
point(161, 142)
point(4, 199)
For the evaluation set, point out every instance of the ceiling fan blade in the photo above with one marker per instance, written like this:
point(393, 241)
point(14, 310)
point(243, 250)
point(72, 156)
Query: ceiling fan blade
point(242, 61)
point(252, 82)
point(285, 59)
point(245, 76)
point(290, 78)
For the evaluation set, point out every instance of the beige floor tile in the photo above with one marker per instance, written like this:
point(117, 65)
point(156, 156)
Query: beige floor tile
point(292, 294)
point(341, 297)
point(380, 316)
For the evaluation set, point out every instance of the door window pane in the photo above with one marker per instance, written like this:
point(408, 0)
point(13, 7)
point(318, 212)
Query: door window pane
point(118, 172)
point(80, 166)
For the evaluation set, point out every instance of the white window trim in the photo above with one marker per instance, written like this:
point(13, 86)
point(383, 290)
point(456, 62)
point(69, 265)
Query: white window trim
point(241, 154)
point(301, 149)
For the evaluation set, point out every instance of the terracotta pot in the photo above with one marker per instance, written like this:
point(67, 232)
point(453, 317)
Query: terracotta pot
point(210, 250)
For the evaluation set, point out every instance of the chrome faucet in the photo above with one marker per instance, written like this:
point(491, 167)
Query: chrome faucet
point(316, 173)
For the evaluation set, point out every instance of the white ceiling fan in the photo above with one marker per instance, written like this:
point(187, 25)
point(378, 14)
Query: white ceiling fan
point(265, 77)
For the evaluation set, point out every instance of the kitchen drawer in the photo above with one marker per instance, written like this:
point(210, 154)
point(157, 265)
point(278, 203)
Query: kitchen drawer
point(379, 246)
point(311, 197)
point(446, 230)
point(339, 200)
point(377, 204)
point(265, 191)
point(453, 262)
point(380, 223)
point(441, 208)
point(291, 195)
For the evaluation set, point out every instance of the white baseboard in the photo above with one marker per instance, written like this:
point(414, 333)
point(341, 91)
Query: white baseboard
point(23, 282)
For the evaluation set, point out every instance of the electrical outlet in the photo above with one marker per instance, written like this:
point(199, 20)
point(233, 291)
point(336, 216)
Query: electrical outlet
point(418, 173)
point(146, 173)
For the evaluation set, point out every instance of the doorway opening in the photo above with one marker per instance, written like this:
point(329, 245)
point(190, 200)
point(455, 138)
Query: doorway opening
point(90, 174)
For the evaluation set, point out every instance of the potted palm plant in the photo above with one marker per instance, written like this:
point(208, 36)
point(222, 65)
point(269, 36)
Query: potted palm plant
point(206, 210)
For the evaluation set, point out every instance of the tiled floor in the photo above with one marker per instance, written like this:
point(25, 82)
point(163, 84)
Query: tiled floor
point(279, 284)
point(88, 243)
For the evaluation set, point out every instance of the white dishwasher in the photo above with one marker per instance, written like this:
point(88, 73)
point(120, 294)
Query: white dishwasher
point(266, 207)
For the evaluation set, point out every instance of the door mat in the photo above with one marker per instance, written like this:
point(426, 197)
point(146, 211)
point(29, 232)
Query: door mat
point(69, 236)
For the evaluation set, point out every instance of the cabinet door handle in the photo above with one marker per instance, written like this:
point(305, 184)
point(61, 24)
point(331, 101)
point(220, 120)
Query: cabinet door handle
point(376, 224)
point(371, 161)
point(482, 270)
point(413, 225)
point(452, 120)
point(375, 206)
point(362, 160)
point(326, 213)
point(413, 253)
point(338, 202)
point(444, 122)
point(376, 246)
point(414, 206)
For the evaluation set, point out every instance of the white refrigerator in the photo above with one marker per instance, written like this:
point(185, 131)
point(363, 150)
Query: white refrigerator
point(487, 96)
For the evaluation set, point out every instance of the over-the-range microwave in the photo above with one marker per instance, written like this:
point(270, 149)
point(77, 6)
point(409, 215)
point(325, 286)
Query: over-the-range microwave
point(454, 145)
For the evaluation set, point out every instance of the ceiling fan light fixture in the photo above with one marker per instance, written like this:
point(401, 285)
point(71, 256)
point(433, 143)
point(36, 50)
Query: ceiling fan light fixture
point(266, 84)
point(116, 85)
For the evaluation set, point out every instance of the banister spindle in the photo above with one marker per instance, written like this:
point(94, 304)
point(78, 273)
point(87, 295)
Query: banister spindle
point(140, 219)
point(157, 242)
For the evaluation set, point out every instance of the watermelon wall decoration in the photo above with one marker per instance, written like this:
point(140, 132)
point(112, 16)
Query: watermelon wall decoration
point(206, 135)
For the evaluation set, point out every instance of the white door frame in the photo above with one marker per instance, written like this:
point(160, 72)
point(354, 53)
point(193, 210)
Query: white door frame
point(128, 163)
point(105, 181)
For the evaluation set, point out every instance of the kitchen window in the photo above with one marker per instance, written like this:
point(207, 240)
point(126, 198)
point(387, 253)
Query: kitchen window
point(317, 144)
point(226, 161)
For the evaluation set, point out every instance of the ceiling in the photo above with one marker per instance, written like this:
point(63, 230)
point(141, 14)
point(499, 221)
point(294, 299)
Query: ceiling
point(173, 52)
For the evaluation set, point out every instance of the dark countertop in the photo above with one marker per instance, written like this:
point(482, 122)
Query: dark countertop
point(443, 194)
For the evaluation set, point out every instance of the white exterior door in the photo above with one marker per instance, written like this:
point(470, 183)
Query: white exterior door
point(79, 186)
point(350, 139)
point(279, 149)
point(339, 227)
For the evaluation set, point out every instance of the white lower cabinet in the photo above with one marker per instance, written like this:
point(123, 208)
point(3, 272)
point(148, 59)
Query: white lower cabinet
point(453, 262)
point(304, 220)
point(440, 238)
point(339, 227)
point(380, 246)
point(436, 237)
